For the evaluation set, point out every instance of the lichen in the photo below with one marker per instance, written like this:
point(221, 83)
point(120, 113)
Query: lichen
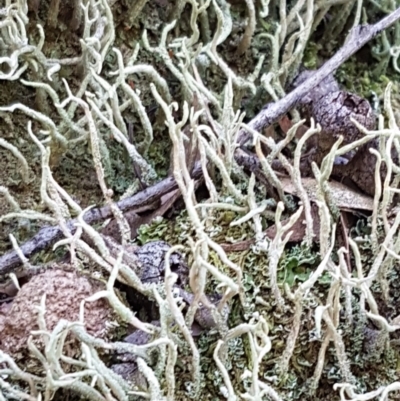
point(103, 98)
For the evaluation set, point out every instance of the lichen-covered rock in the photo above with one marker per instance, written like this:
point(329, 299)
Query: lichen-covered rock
point(148, 261)
point(334, 112)
point(334, 109)
point(65, 290)
point(151, 262)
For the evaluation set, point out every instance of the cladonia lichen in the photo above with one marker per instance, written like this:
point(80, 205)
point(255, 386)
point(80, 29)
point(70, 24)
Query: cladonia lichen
point(104, 98)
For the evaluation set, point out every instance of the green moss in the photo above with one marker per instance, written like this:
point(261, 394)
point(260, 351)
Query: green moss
point(358, 77)
point(311, 60)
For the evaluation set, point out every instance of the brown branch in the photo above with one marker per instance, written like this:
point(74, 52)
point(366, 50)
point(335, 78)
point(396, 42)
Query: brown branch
point(359, 36)
point(47, 236)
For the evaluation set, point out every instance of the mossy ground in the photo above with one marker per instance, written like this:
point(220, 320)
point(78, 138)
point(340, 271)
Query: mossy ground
point(74, 171)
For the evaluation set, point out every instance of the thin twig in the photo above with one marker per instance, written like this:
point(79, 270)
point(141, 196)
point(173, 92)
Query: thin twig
point(49, 235)
point(358, 37)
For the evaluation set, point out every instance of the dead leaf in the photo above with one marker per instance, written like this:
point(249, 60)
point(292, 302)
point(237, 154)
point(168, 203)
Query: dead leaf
point(344, 197)
point(298, 232)
point(285, 123)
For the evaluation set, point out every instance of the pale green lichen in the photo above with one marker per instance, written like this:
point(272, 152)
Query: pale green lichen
point(287, 337)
